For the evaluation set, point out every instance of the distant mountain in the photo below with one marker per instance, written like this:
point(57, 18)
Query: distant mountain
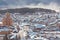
point(27, 10)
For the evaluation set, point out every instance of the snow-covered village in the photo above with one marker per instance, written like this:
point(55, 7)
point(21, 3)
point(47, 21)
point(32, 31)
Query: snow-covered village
point(29, 19)
point(36, 26)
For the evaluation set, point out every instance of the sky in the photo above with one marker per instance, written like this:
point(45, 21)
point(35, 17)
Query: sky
point(49, 4)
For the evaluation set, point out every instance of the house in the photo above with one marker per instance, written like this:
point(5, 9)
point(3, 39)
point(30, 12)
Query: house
point(4, 31)
point(38, 27)
point(25, 26)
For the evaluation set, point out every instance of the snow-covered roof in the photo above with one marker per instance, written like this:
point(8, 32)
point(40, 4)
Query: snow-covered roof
point(23, 24)
point(41, 38)
point(13, 35)
point(40, 26)
point(4, 28)
point(2, 35)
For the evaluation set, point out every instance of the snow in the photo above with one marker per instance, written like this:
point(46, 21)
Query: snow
point(4, 29)
point(40, 38)
point(23, 24)
point(13, 35)
point(39, 26)
point(52, 32)
point(2, 35)
point(1, 23)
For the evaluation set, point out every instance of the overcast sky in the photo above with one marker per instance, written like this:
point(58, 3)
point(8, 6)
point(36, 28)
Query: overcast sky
point(26, 2)
point(52, 4)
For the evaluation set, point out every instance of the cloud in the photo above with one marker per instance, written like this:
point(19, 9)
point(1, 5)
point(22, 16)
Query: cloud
point(48, 4)
point(52, 5)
